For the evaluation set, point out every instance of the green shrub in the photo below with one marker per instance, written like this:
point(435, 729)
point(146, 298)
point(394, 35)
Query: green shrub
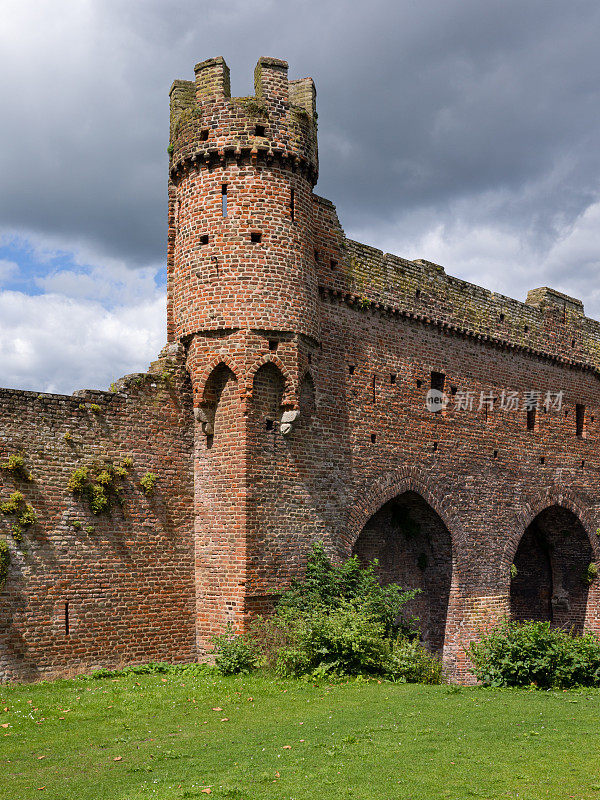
point(16, 465)
point(152, 668)
point(343, 641)
point(326, 587)
point(411, 662)
point(234, 655)
point(535, 654)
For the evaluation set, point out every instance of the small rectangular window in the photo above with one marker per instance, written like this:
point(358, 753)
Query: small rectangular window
point(531, 419)
point(579, 419)
point(292, 205)
point(259, 130)
point(333, 263)
point(255, 237)
point(204, 135)
point(393, 378)
point(437, 381)
point(224, 199)
point(204, 238)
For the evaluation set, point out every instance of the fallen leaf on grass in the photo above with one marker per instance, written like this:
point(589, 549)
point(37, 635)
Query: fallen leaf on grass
point(40, 757)
point(287, 747)
point(164, 680)
point(205, 791)
point(5, 724)
point(217, 709)
point(118, 758)
point(225, 719)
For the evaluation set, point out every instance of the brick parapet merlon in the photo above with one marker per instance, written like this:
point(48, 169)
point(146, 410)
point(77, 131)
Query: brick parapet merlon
point(277, 124)
point(548, 325)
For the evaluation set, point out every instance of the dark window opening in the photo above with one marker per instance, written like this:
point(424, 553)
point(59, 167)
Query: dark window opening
point(417, 293)
point(579, 419)
point(419, 383)
point(333, 264)
point(501, 317)
point(566, 412)
point(255, 237)
point(435, 446)
point(572, 342)
point(224, 199)
point(453, 390)
point(374, 396)
point(292, 205)
point(592, 418)
point(316, 255)
point(269, 425)
point(309, 358)
point(392, 378)
point(437, 381)
point(273, 343)
point(373, 438)
point(526, 328)
point(582, 464)
point(542, 459)
point(259, 130)
point(351, 369)
point(531, 419)
point(495, 454)
point(67, 622)
point(204, 238)
point(204, 135)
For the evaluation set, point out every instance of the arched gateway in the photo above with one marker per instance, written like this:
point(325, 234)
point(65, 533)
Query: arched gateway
point(414, 548)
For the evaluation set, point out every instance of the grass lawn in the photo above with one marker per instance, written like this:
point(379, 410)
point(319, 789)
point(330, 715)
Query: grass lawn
point(175, 735)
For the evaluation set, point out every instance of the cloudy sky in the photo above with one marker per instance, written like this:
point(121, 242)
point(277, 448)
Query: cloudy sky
point(461, 131)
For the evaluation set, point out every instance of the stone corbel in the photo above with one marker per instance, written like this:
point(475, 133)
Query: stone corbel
point(288, 418)
point(202, 417)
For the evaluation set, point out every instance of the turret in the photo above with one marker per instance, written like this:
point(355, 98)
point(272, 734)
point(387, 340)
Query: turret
point(241, 176)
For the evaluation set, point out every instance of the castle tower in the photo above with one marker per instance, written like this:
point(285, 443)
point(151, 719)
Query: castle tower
point(242, 294)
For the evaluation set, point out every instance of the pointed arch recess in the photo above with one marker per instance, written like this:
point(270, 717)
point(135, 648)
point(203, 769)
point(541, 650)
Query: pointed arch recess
point(389, 486)
point(290, 391)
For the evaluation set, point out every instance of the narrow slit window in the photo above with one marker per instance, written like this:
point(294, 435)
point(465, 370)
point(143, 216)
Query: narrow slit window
point(269, 425)
point(333, 263)
point(531, 419)
point(393, 378)
point(374, 383)
point(292, 205)
point(437, 381)
point(351, 369)
point(67, 621)
point(224, 200)
point(579, 419)
point(373, 438)
point(317, 256)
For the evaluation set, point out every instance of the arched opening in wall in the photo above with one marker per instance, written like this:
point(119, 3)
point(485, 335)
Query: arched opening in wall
point(549, 576)
point(414, 548)
point(267, 393)
point(219, 410)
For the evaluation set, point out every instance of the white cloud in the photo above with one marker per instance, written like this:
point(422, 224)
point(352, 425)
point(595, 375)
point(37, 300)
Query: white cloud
point(8, 270)
point(54, 343)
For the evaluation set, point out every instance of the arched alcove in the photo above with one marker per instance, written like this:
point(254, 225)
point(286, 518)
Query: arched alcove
point(267, 392)
point(220, 404)
point(549, 576)
point(414, 548)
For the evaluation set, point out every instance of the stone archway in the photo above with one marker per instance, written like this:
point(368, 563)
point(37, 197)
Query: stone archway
point(414, 548)
point(550, 579)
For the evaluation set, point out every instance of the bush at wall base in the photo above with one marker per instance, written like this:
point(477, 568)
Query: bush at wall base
point(536, 654)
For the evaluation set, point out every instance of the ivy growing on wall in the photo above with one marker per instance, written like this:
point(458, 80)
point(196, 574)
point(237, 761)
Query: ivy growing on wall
point(99, 484)
point(23, 513)
point(4, 562)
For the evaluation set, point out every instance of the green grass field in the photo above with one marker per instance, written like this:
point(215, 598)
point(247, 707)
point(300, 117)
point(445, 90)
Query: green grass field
point(177, 736)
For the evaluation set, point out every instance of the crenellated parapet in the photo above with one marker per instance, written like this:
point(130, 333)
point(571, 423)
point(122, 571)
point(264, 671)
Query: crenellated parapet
point(278, 123)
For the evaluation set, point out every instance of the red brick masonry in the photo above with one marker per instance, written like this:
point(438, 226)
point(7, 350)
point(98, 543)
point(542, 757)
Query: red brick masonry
point(290, 406)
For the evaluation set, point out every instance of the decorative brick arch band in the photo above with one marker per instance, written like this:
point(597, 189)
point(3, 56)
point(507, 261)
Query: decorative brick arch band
point(589, 517)
point(290, 392)
point(202, 380)
point(391, 485)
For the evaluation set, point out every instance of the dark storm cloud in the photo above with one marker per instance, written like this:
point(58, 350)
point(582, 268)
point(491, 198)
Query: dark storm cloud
point(431, 112)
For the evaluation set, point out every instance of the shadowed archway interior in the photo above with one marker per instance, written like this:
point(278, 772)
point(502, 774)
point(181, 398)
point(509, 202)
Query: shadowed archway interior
point(549, 580)
point(414, 548)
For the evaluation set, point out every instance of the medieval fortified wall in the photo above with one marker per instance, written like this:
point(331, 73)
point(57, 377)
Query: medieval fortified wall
point(289, 405)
